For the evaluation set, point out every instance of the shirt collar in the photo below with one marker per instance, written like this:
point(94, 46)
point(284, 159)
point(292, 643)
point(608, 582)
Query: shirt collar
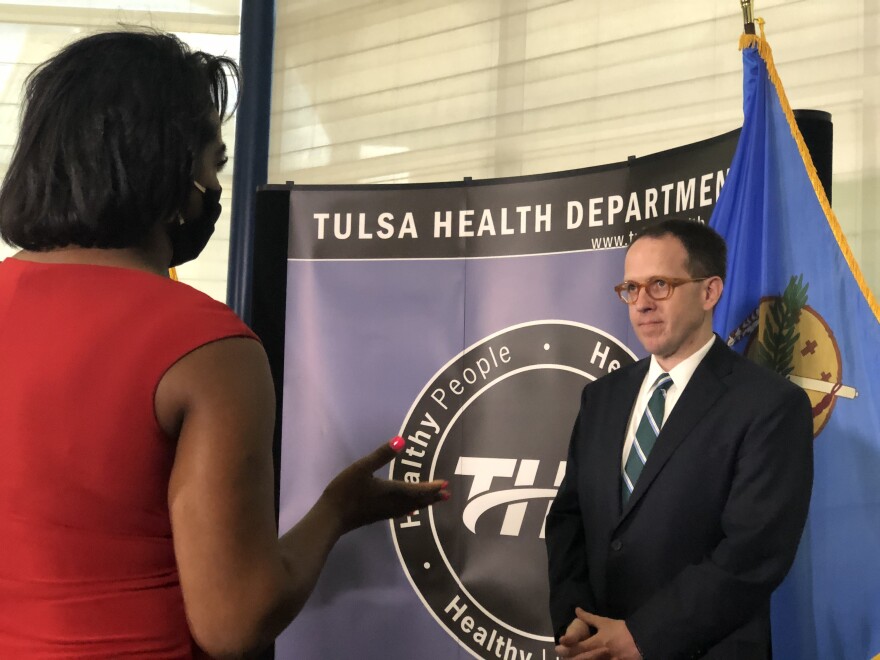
point(682, 372)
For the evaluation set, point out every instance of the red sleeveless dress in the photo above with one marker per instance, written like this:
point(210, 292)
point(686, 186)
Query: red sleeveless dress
point(87, 566)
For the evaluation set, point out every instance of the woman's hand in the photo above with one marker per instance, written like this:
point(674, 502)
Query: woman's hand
point(359, 498)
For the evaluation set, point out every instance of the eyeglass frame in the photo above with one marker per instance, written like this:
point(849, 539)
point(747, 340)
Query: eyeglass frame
point(673, 282)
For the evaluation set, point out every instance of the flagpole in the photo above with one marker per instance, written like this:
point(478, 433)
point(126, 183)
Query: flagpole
point(748, 16)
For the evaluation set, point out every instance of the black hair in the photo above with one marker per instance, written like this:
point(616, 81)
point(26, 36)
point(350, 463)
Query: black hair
point(112, 127)
point(705, 247)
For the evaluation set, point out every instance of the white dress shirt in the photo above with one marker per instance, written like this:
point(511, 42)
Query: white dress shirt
point(680, 374)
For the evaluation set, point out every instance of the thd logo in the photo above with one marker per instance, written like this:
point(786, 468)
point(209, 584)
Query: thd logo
point(495, 420)
point(490, 489)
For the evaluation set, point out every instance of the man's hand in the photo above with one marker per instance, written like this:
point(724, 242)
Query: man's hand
point(611, 641)
point(572, 642)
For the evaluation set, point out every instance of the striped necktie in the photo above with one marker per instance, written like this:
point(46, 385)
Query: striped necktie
point(646, 435)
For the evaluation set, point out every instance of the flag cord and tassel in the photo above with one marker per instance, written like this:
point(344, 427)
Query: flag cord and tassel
point(759, 42)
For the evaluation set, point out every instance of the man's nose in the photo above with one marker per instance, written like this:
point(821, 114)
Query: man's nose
point(644, 302)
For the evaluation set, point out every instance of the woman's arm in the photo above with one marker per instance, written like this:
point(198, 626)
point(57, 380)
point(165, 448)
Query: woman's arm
point(241, 585)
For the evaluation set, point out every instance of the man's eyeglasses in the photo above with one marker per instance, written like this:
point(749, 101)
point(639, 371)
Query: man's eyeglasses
point(658, 288)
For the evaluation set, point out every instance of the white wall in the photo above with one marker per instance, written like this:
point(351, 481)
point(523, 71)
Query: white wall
point(425, 90)
point(419, 90)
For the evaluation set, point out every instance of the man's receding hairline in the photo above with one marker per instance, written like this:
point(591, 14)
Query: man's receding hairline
point(687, 254)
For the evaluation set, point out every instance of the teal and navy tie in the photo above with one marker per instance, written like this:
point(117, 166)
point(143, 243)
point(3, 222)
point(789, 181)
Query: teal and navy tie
point(646, 435)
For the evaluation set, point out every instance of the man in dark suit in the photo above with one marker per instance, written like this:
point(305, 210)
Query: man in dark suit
point(688, 477)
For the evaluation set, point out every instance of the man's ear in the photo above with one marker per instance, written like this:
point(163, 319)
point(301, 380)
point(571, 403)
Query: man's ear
point(712, 292)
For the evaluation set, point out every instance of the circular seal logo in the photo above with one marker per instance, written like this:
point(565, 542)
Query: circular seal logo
point(815, 362)
point(495, 421)
point(788, 336)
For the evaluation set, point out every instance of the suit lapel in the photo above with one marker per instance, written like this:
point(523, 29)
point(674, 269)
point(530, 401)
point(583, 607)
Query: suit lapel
point(701, 392)
point(618, 419)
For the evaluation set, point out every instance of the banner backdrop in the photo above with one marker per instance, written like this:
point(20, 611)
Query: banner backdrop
point(467, 317)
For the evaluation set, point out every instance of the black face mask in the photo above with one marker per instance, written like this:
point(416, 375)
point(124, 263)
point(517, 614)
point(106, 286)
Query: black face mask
point(189, 237)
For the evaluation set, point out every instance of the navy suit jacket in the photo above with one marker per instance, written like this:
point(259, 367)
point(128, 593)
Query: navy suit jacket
point(713, 523)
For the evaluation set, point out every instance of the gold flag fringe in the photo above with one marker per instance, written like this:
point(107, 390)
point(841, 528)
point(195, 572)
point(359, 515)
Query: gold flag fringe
point(763, 48)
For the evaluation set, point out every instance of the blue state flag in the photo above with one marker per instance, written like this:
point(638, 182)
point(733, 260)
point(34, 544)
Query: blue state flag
point(796, 301)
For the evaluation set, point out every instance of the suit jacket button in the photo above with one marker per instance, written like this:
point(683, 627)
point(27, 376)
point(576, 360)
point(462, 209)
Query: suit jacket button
point(616, 545)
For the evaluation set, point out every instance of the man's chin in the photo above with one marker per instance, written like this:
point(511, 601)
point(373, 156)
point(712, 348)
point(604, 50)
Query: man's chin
point(651, 340)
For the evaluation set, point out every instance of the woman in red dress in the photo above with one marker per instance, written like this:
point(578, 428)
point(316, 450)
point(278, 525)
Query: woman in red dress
point(136, 480)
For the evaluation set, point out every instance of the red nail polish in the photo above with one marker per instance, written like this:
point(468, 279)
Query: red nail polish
point(445, 496)
point(444, 485)
point(397, 443)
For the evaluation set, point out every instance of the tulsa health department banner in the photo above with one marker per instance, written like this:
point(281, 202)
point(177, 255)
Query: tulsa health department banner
point(467, 317)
